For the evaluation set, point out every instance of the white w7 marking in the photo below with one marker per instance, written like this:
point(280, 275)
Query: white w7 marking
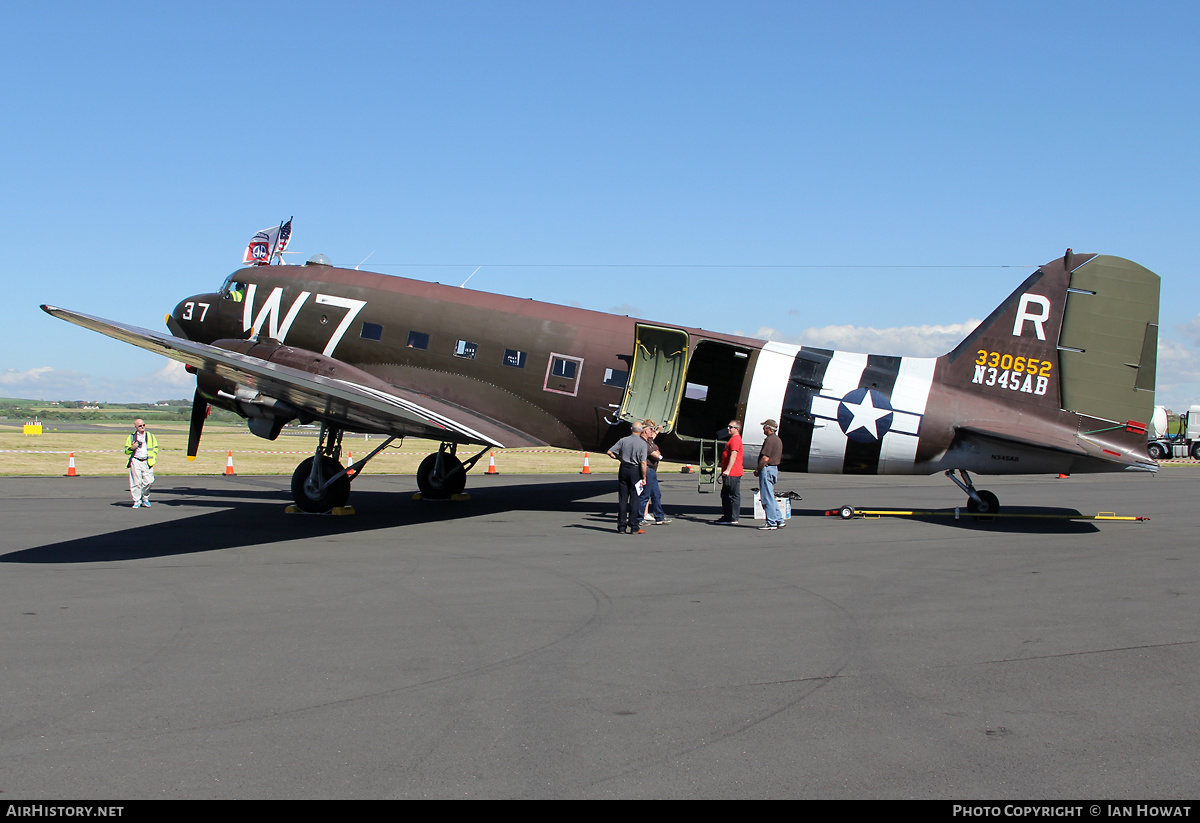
point(269, 312)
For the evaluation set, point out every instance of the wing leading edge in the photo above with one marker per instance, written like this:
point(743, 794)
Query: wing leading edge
point(365, 404)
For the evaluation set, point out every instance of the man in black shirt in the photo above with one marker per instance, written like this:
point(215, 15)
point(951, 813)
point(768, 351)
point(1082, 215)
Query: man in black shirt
point(767, 472)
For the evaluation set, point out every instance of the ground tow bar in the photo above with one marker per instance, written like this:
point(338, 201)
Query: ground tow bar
point(849, 512)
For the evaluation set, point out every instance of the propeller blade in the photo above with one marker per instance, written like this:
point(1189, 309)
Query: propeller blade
point(199, 412)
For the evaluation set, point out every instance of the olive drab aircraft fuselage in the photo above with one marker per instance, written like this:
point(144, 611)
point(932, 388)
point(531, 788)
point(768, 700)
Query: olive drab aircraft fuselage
point(1058, 379)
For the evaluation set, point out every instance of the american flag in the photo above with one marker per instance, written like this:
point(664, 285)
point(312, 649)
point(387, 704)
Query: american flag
point(285, 234)
point(265, 245)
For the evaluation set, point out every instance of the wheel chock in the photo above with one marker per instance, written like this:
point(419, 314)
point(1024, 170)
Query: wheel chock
point(336, 511)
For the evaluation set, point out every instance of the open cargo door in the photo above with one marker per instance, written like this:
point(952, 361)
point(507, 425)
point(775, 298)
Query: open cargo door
point(656, 378)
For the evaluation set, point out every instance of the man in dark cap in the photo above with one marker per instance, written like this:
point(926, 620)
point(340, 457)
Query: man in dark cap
point(768, 473)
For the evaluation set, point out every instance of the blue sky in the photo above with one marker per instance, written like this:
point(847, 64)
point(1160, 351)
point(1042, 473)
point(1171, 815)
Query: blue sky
point(889, 160)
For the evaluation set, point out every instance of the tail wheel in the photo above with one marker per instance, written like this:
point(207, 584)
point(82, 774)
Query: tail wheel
point(846, 512)
point(988, 504)
point(438, 485)
point(308, 498)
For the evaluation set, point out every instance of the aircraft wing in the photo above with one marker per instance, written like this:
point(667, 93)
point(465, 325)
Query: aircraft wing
point(354, 406)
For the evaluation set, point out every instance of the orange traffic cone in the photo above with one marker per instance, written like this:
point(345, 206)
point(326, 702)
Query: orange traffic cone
point(229, 472)
point(687, 469)
point(350, 462)
point(71, 466)
point(492, 464)
point(586, 468)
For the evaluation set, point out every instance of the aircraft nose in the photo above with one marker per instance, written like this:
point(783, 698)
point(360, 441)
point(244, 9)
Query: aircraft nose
point(176, 323)
point(173, 324)
point(193, 315)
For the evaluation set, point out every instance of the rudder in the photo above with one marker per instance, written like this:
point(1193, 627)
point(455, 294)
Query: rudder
point(1108, 348)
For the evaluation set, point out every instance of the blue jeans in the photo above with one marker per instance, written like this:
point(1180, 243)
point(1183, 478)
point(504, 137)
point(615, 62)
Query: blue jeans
point(767, 478)
point(652, 495)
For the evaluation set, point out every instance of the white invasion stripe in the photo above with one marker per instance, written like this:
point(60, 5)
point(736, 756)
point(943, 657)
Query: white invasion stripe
point(768, 386)
point(444, 422)
point(828, 452)
point(903, 423)
point(898, 451)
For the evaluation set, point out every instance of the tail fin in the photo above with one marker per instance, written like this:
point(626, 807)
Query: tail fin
point(1080, 334)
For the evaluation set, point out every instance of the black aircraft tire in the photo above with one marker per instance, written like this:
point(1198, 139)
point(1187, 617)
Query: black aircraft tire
point(441, 488)
point(336, 494)
point(1157, 452)
point(989, 504)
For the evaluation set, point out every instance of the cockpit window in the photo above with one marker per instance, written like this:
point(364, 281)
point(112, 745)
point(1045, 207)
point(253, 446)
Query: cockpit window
point(233, 290)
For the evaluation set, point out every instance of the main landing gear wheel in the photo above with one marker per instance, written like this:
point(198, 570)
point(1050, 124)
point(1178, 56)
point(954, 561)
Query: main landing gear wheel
point(307, 495)
point(988, 504)
point(437, 484)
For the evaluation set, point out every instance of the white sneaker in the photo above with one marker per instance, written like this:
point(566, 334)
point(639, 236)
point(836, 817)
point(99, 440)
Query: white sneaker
point(137, 504)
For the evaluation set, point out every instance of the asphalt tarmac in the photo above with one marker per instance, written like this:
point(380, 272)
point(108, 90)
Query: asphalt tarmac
point(515, 646)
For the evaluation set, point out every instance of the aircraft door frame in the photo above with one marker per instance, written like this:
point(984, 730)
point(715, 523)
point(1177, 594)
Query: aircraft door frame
point(657, 375)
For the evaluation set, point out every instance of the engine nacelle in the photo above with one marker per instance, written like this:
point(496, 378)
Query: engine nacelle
point(267, 415)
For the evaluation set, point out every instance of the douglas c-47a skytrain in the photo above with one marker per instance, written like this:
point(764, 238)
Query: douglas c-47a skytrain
point(1059, 378)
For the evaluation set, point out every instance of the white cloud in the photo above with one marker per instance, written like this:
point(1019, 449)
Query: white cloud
point(173, 373)
point(12, 377)
point(905, 341)
point(626, 309)
point(1178, 384)
point(47, 383)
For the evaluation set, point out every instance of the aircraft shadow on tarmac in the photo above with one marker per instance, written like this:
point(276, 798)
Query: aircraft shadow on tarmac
point(1012, 520)
point(251, 514)
point(238, 516)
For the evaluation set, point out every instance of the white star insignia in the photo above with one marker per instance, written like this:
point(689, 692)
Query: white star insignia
point(866, 416)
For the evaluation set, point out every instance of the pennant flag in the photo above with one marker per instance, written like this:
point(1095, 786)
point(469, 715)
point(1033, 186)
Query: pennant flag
point(268, 244)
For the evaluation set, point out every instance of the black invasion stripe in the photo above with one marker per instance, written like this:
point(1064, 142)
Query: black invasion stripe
point(880, 374)
point(795, 420)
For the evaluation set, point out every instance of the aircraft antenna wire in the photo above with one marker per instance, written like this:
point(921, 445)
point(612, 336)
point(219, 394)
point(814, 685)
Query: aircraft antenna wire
point(708, 266)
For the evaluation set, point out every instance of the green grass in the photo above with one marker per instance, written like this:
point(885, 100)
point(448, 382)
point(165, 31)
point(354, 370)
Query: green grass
point(100, 453)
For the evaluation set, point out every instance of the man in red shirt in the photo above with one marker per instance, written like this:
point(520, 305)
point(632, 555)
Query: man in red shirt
point(731, 468)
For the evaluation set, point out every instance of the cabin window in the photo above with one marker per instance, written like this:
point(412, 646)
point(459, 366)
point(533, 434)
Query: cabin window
point(562, 367)
point(562, 374)
point(465, 349)
point(371, 331)
point(514, 358)
point(614, 377)
point(418, 340)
